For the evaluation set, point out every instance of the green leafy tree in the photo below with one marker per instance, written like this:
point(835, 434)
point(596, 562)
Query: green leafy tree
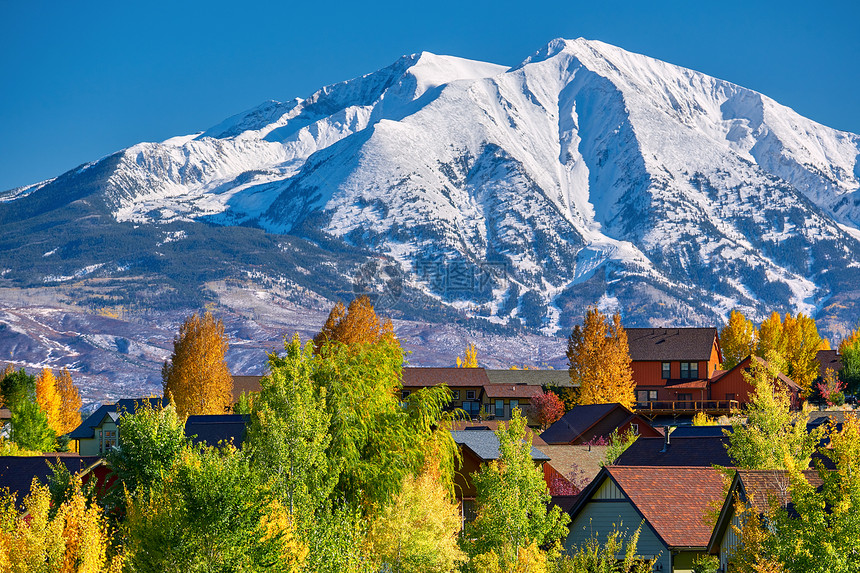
point(602, 556)
point(512, 500)
point(30, 428)
point(618, 443)
point(17, 387)
point(150, 441)
point(850, 351)
point(771, 436)
point(209, 515)
point(288, 437)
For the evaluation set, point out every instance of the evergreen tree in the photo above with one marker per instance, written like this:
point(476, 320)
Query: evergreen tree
point(599, 359)
point(737, 340)
point(197, 377)
point(30, 428)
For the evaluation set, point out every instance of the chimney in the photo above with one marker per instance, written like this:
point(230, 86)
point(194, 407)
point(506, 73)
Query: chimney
point(667, 439)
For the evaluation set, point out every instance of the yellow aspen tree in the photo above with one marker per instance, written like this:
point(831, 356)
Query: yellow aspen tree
point(471, 359)
point(49, 400)
point(847, 342)
point(197, 378)
point(70, 403)
point(770, 337)
point(801, 342)
point(737, 340)
point(354, 325)
point(599, 359)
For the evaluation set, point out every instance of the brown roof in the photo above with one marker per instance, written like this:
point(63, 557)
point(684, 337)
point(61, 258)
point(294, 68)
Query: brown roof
point(531, 376)
point(494, 425)
point(454, 377)
point(581, 463)
point(689, 384)
point(674, 500)
point(508, 391)
point(760, 486)
point(828, 359)
point(657, 344)
point(246, 384)
point(5, 414)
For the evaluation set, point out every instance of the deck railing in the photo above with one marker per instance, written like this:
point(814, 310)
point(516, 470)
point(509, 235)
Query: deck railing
point(688, 406)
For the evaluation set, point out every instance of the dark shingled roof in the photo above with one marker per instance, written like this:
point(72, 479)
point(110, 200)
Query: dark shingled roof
point(17, 472)
point(485, 444)
point(531, 377)
point(688, 452)
point(509, 391)
point(699, 431)
point(576, 422)
point(453, 377)
point(87, 428)
point(657, 344)
point(213, 429)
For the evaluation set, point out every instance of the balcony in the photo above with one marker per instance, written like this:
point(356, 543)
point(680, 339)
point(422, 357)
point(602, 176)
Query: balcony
point(687, 407)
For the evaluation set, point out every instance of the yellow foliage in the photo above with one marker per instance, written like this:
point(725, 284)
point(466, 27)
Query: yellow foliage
point(49, 400)
point(277, 524)
point(599, 359)
point(355, 325)
point(471, 359)
point(529, 559)
point(418, 531)
point(70, 403)
point(74, 540)
point(197, 378)
point(737, 340)
point(846, 342)
point(702, 419)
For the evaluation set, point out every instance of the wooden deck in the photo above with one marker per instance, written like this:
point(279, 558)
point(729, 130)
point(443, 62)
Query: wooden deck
point(687, 407)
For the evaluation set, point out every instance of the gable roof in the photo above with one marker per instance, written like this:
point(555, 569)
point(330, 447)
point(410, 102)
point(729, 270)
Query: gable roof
point(828, 359)
point(511, 391)
point(658, 344)
point(485, 444)
point(756, 488)
point(687, 452)
point(414, 377)
point(87, 428)
point(17, 472)
point(577, 421)
point(672, 500)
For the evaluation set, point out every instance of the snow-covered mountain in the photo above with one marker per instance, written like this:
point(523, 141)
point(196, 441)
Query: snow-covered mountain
point(584, 175)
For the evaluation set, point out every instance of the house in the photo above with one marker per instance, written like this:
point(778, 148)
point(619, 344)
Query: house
point(586, 423)
point(466, 384)
point(755, 489)
point(245, 385)
point(18, 472)
point(478, 446)
point(828, 359)
point(670, 503)
point(673, 364)
point(99, 432)
point(732, 384)
point(501, 399)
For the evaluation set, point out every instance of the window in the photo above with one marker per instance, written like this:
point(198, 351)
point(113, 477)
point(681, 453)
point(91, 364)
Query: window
point(682, 397)
point(514, 404)
point(689, 370)
point(667, 369)
point(404, 394)
point(641, 396)
point(652, 395)
point(470, 394)
point(473, 409)
point(500, 408)
point(635, 428)
point(456, 394)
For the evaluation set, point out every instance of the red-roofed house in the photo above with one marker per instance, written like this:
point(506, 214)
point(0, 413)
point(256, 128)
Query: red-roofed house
point(732, 385)
point(670, 502)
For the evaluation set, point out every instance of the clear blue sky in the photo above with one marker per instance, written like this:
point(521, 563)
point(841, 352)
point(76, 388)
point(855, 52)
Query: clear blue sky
point(79, 80)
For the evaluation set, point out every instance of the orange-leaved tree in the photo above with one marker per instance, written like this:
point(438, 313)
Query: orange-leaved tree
point(49, 400)
point(354, 325)
point(70, 403)
point(599, 359)
point(197, 378)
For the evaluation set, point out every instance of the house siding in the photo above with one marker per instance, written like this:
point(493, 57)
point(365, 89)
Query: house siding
point(599, 518)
